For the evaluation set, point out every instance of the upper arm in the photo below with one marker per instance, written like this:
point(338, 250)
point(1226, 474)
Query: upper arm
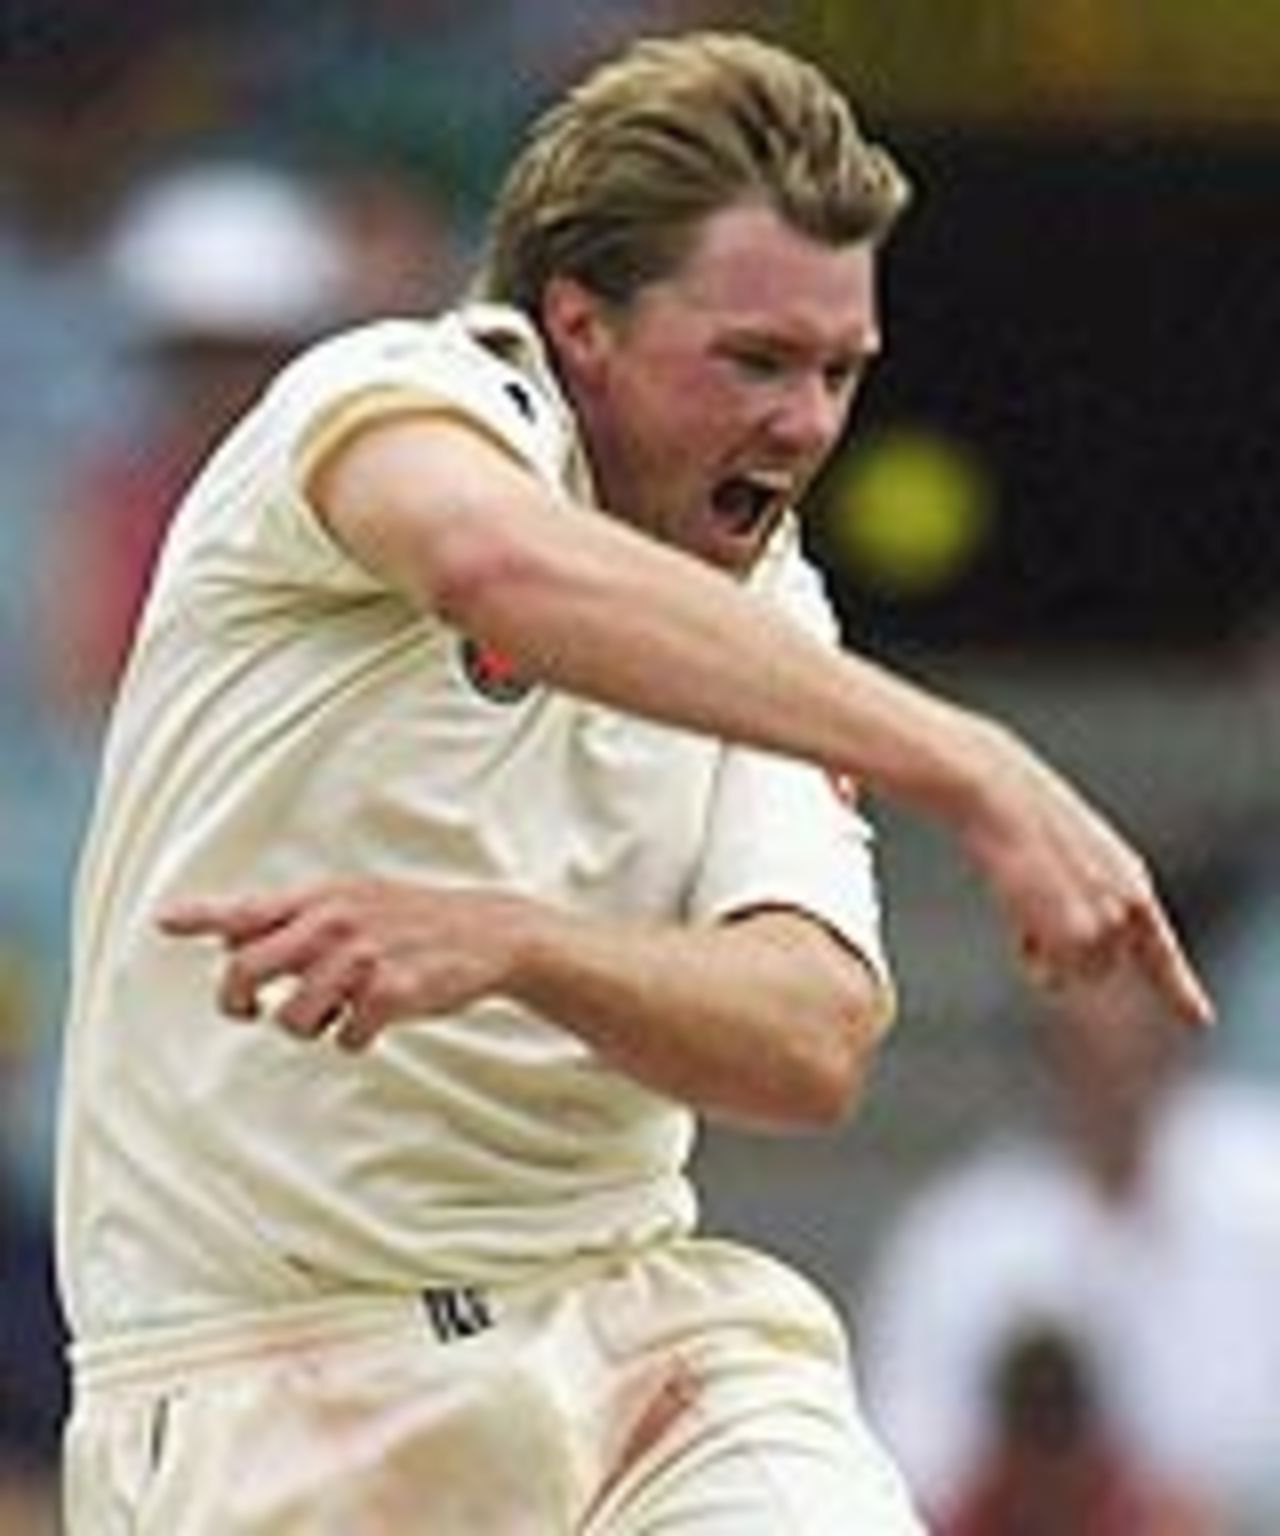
point(781, 838)
point(840, 971)
point(407, 444)
point(425, 499)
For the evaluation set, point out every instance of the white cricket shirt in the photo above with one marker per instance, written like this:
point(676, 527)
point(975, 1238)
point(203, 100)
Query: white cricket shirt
point(285, 718)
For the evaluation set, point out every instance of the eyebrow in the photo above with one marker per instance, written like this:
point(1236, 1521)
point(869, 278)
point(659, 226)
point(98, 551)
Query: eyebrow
point(861, 348)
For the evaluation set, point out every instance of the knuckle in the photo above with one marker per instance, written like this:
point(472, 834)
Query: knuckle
point(241, 975)
point(362, 957)
point(297, 1017)
point(1084, 926)
point(396, 992)
point(334, 925)
point(1141, 883)
point(1112, 920)
point(366, 1020)
point(382, 999)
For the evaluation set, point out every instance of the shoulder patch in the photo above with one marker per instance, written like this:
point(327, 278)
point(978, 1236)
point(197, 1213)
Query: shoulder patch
point(523, 399)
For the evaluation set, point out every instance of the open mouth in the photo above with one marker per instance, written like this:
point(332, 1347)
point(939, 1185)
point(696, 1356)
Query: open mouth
point(744, 504)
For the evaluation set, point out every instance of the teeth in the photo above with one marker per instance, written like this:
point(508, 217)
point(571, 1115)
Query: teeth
point(769, 484)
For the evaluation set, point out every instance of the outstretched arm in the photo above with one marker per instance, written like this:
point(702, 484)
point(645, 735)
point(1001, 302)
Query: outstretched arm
point(590, 606)
point(768, 1019)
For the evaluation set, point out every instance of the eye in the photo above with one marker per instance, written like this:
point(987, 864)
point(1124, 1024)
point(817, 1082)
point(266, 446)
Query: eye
point(757, 362)
point(843, 374)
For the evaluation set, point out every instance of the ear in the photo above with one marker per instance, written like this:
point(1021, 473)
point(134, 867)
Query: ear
point(576, 324)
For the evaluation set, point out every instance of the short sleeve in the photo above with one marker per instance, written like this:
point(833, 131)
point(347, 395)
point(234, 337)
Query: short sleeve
point(468, 364)
point(248, 534)
point(781, 833)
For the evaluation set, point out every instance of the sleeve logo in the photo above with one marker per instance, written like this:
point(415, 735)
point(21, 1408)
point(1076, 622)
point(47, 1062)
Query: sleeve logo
point(492, 673)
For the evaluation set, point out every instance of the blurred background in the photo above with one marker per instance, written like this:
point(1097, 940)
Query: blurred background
point(1057, 501)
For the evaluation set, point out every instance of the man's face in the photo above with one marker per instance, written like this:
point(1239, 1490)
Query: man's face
point(710, 402)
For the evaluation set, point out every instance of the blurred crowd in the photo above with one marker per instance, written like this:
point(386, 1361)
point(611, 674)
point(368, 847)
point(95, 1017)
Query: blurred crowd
point(1082, 1321)
point(1073, 1329)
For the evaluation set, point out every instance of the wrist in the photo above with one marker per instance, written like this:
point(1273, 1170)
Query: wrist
point(527, 928)
point(963, 768)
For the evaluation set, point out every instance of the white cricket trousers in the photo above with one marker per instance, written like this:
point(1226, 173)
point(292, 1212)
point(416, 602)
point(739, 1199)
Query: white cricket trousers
point(699, 1389)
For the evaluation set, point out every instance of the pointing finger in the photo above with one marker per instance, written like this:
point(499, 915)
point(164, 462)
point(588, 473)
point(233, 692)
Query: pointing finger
point(1166, 965)
point(235, 920)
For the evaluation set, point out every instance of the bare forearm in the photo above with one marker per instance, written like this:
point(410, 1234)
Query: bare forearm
point(597, 609)
point(658, 634)
point(591, 606)
point(613, 616)
point(769, 1021)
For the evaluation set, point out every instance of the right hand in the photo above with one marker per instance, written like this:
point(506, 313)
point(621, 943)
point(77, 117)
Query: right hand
point(360, 954)
point(1079, 900)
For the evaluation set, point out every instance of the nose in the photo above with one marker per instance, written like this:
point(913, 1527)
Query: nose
point(808, 415)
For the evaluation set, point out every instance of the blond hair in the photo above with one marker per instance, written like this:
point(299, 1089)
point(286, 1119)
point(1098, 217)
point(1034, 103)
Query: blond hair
point(615, 179)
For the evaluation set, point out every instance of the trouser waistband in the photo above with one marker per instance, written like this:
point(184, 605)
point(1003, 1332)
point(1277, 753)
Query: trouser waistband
point(158, 1357)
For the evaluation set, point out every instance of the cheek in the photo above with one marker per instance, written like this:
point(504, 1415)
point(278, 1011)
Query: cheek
point(693, 414)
